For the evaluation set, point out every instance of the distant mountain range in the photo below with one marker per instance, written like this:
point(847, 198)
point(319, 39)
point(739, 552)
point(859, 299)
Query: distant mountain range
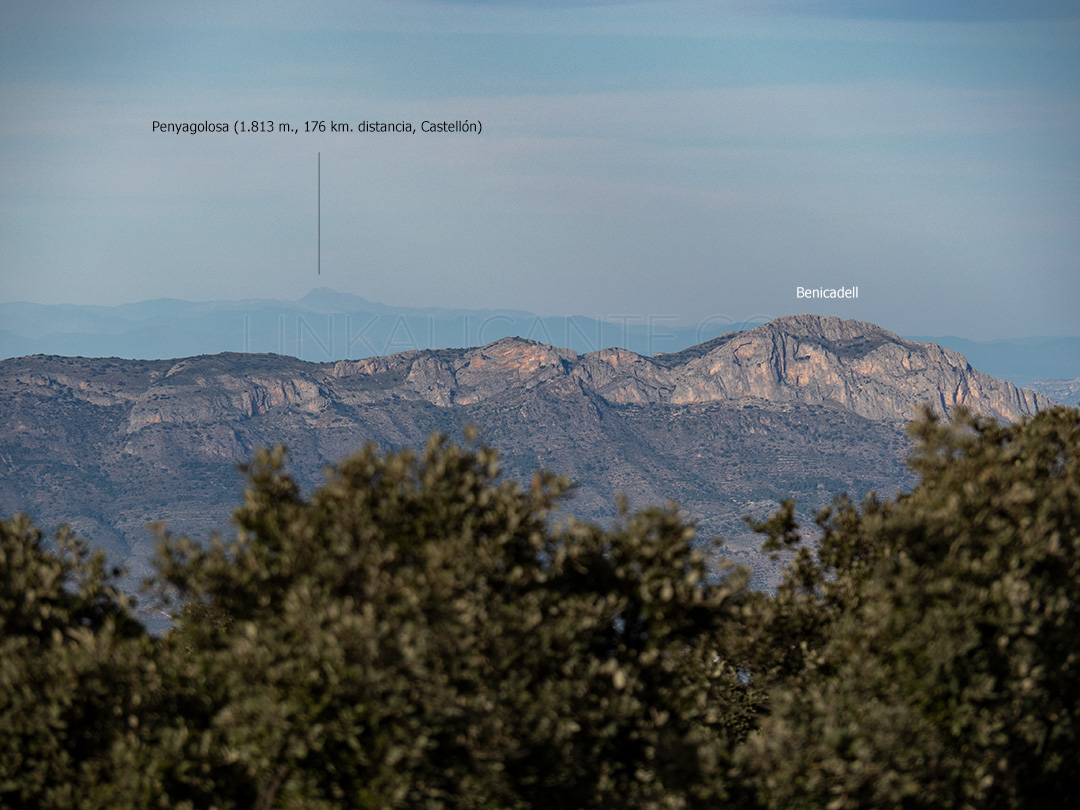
point(803, 406)
point(323, 326)
point(1066, 392)
point(326, 326)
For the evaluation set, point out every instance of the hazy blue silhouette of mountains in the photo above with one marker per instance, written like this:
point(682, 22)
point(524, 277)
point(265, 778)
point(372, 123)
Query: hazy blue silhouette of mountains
point(323, 326)
point(327, 325)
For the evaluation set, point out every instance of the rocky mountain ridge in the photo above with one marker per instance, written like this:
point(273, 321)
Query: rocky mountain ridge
point(803, 406)
point(325, 326)
point(798, 359)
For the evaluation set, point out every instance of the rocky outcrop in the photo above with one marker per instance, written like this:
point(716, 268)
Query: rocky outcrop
point(799, 359)
point(802, 407)
point(857, 366)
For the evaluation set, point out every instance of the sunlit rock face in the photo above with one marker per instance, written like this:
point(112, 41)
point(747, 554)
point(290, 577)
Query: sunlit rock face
point(802, 407)
point(798, 359)
point(859, 366)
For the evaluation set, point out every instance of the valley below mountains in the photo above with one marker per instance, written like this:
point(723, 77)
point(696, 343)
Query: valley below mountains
point(803, 407)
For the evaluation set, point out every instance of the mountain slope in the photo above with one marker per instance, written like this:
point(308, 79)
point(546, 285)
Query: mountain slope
point(1064, 391)
point(802, 359)
point(326, 325)
point(802, 406)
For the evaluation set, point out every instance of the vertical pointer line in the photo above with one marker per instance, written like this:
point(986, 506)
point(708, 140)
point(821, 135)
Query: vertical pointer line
point(319, 216)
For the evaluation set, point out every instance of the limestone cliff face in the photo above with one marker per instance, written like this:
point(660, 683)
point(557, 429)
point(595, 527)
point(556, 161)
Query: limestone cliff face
point(858, 366)
point(803, 359)
point(1064, 391)
point(453, 376)
point(802, 407)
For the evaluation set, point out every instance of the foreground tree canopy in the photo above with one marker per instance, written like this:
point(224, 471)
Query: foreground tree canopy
point(420, 633)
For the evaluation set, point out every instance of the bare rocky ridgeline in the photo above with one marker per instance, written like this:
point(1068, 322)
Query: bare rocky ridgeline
point(803, 406)
point(802, 359)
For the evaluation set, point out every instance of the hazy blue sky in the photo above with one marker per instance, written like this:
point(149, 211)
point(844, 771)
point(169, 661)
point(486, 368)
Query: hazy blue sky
point(690, 159)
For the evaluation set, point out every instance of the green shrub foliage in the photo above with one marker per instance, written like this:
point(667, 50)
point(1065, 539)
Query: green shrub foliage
point(932, 657)
point(416, 634)
point(70, 661)
point(421, 633)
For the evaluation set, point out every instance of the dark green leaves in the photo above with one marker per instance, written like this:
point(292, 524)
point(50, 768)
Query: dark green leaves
point(419, 633)
point(939, 664)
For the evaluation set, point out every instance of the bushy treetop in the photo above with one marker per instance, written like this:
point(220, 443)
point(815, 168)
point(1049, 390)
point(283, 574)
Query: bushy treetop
point(933, 658)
